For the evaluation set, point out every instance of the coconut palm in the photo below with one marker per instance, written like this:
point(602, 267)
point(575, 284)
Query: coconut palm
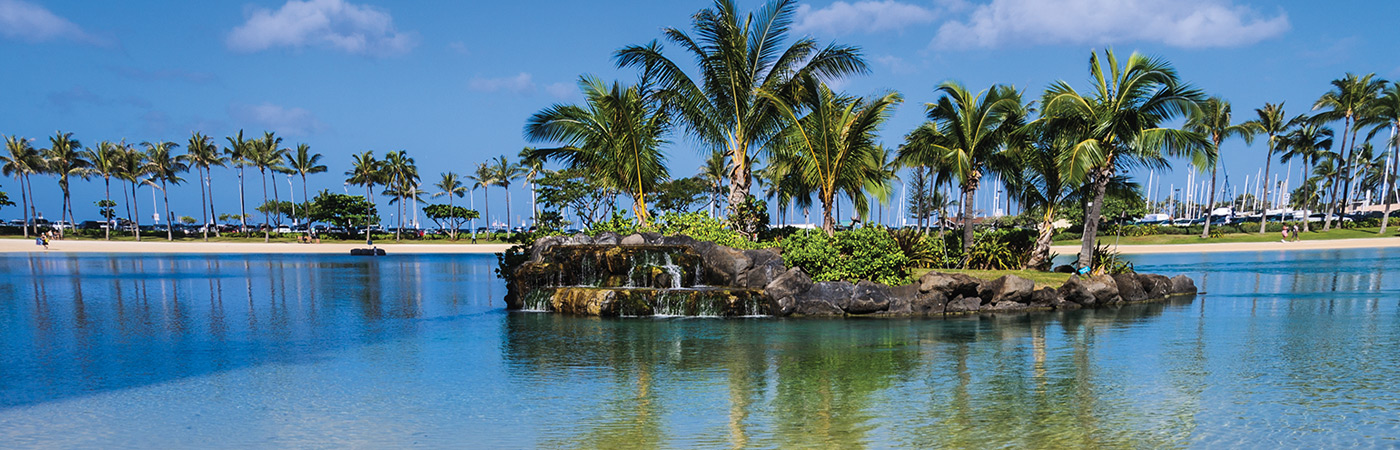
point(531, 167)
point(1120, 124)
point(20, 161)
point(304, 163)
point(484, 178)
point(1350, 96)
point(712, 172)
point(400, 176)
point(974, 129)
point(106, 162)
point(1309, 143)
point(450, 186)
point(165, 167)
point(1039, 184)
point(365, 171)
point(616, 134)
point(266, 155)
point(1272, 123)
point(238, 151)
point(64, 159)
point(505, 173)
point(1385, 113)
point(835, 142)
point(1213, 120)
point(202, 155)
point(737, 56)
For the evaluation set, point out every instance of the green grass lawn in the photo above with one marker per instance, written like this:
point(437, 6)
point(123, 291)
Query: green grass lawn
point(1041, 279)
point(1354, 233)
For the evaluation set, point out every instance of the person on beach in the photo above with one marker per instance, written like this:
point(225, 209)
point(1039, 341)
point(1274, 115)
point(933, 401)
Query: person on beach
point(1284, 232)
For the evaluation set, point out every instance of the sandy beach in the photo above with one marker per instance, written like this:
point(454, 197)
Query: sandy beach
point(27, 245)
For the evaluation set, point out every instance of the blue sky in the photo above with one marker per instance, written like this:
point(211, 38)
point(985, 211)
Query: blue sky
point(453, 82)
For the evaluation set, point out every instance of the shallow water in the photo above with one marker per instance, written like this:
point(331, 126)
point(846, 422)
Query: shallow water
point(175, 351)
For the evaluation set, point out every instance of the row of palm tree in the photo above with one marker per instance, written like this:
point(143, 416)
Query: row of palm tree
point(157, 165)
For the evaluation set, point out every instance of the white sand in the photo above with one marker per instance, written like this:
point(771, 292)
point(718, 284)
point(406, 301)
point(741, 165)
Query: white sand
point(27, 245)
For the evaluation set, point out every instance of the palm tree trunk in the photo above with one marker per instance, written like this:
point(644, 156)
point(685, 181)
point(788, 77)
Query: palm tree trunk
point(969, 191)
point(267, 233)
point(1264, 211)
point(486, 206)
point(508, 227)
point(203, 201)
point(1091, 215)
point(453, 233)
point(63, 207)
point(398, 231)
point(33, 209)
point(1210, 201)
point(740, 178)
point(1040, 257)
point(209, 185)
point(1332, 203)
point(306, 198)
point(24, 206)
point(107, 230)
point(135, 218)
point(169, 225)
point(1307, 168)
point(1345, 170)
point(276, 202)
point(1390, 176)
point(369, 208)
point(242, 204)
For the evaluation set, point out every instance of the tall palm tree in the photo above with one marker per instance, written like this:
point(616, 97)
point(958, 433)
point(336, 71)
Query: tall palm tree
point(1385, 113)
point(737, 56)
point(1310, 143)
point(400, 175)
point(1213, 120)
point(1039, 184)
point(506, 172)
point(922, 151)
point(365, 171)
point(106, 162)
point(712, 172)
point(450, 186)
point(266, 155)
point(134, 171)
point(64, 159)
point(20, 161)
point(531, 167)
point(484, 178)
point(835, 141)
point(303, 162)
point(1120, 124)
point(202, 154)
point(1272, 122)
point(165, 167)
point(975, 128)
point(616, 134)
point(1350, 95)
point(238, 151)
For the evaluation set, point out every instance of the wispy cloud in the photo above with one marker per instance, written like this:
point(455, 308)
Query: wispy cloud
point(1178, 23)
point(33, 23)
point(164, 74)
point(562, 91)
point(276, 118)
point(459, 48)
point(863, 16)
point(334, 24)
point(79, 96)
point(521, 83)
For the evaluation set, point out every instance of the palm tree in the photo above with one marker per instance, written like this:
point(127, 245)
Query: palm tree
point(1271, 123)
point(106, 162)
point(505, 172)
point(974, 129)
point(64, 158)
point(20, 161)
point(1039, 184)
point(1309, 142)
point(1212, 119)
point(166, 168)
point(237, 151)
point(450, 186)
point(133, 170)
point(400, 175)
point(266, 155)
point(1385, 113)
point(303, 162)
point(835, 141)
point(203, 155)
point(484, 179)
point(617, 135)
point(712, 172)
point(1351, 95)
point(532, 168)
point(1119, 125)
point(737, 56)
point(922, 151)
point(365, 171)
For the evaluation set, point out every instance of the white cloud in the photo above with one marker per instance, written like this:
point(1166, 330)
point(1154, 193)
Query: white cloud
point(34, 23)
point(562, 91)
point(520, 84)
point(1179, 23)
point(277, 119)
point(862, 16)
point(335, 24)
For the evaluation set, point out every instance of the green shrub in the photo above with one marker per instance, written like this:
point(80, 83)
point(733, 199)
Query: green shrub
point(866, 253)
point(703, 227)
point(1001, 249)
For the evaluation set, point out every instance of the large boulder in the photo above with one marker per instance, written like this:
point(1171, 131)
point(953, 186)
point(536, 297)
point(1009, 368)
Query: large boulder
point(1182, 284)
point(1006, 289)
point(679, 239)
point(950, 284)
point(650, 237)
point(1156, 287)
point(783, 292)
point(631, 239)
point(724, 265)
point(825, 298)
point(577, 239)
point(1128, 287)
point(1074, 292)
point(964, 304)
point(543, 245)
point(932, 303)
point(764, 266)
point(1044, 298)
point(901, 299)
point(867, 297)
point(1103, 288)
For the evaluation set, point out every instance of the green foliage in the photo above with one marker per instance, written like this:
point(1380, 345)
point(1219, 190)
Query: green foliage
point(1000, 249)
point(750, 218)
point(346, 211)
point(107, 208)
point(867, 253)
point(1108, 261)
point(454, 215)
point(705, 228)
point(922, 249)
point(1124, 205)
point(682, 195)
point(551, 221)
point(575, 190)
point(187, 220)
point(618, 223)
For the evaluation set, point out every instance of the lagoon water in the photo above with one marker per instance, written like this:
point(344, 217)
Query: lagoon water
point(1297, 349)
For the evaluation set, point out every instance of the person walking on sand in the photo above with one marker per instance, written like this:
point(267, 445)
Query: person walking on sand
point(1284, 232)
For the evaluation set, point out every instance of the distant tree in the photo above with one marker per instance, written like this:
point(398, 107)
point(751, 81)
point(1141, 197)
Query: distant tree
point(452, 216)
point(345, 211)
point(573, 189)
point(64, 159)
point(5, 199)
point(165, 167)
point(107, 209)
point(187, 220)
point(681, 195)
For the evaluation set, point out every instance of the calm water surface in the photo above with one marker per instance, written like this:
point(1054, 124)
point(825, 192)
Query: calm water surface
point(1297, 349)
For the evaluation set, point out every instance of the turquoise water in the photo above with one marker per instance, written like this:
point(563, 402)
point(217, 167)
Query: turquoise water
point(177, 351)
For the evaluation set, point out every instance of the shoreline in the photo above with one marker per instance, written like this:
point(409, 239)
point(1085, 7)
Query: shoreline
point(86, 246)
